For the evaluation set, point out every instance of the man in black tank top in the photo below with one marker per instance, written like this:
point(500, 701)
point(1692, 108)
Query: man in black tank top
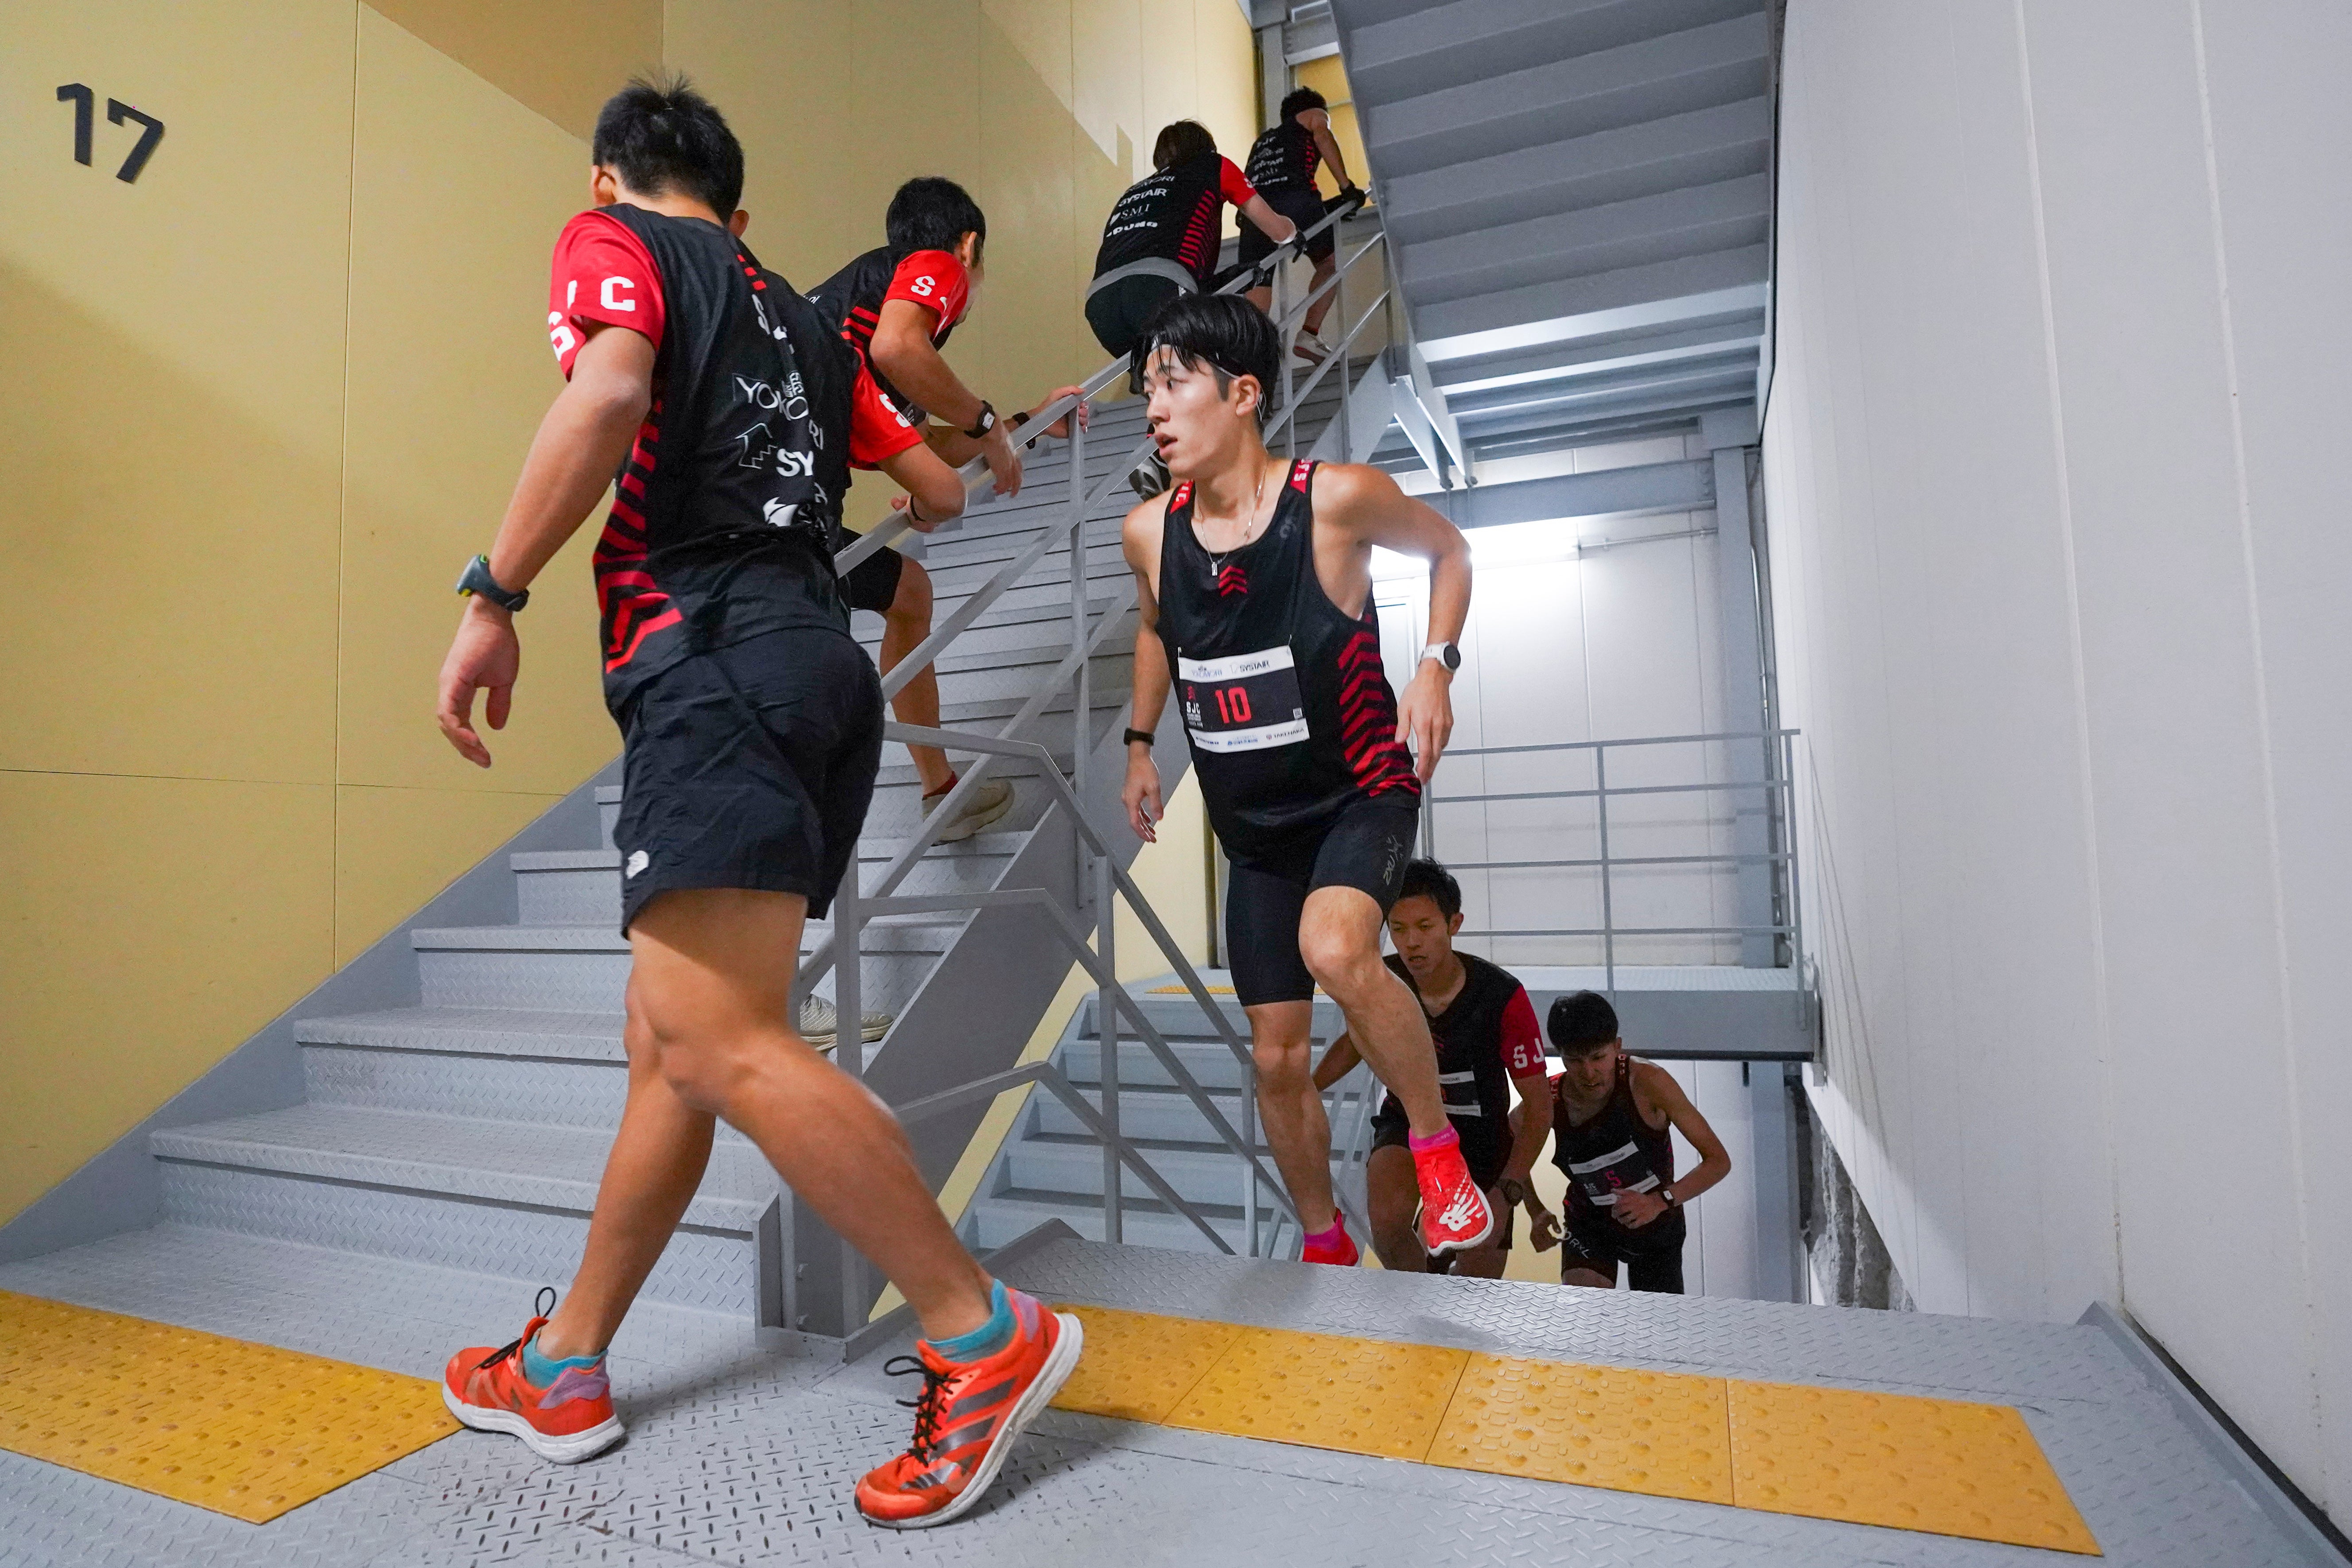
point(1282, 165)
point(1488, 1045)
point(717, 404)
point(1612, 1123)
point(1253, 584)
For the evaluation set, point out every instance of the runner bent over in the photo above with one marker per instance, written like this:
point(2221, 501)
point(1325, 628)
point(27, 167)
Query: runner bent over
point(752, 724)
point(1488, 1044)
point(1610, 1116)
point(896, 305)
point(1254, 580)
point(1282, 165)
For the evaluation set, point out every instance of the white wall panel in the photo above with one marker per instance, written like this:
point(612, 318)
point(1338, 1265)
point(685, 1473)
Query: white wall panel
point(2057, 563)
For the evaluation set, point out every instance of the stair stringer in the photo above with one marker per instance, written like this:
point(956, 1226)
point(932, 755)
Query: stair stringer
point(974, 1014)
point(122, 1188)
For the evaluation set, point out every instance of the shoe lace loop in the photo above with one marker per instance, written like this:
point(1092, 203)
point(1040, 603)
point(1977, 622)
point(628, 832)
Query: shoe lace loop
point(540, 1305)
point(928, 1406)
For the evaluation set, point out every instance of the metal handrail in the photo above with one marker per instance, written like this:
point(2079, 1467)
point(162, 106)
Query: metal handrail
point(1774, 788)
point(855, 904)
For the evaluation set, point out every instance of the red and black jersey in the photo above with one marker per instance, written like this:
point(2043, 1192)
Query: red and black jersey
point(1285, 158)
point(1290, 716)
point(853, 298)
point(1487, 1036)
point(1177, 214)
point(1617, 1150)
point(724, 505)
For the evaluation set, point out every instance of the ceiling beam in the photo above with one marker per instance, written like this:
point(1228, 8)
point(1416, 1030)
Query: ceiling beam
point(1650, 486)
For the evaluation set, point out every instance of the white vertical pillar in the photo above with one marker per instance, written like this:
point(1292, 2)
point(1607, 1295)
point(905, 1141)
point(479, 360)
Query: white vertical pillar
point(1730, 432)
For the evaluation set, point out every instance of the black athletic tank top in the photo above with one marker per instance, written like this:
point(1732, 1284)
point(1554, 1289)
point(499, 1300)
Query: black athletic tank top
point(1283, 158)
point(1471, 1076)
point(851, 302)
point(1616, 1151)
point(1290, 716)
point(1175, 214)
point(725, 504)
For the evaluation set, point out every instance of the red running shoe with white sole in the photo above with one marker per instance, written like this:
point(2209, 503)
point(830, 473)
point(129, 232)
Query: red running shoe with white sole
point(570, 1420)
point(1342, 1253)
point(968, 1416)
point(1453, 1213)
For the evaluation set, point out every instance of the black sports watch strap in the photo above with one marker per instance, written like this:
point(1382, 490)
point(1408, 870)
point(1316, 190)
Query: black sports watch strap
point(477, 580)
point(1146, 736)
point(985, 423)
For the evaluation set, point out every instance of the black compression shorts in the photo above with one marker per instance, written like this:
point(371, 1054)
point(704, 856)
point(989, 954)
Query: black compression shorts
point(1118, 312)
point(873, 582)
point(1366, 847)
point(1303, 207)
point(1653, 1255)
point(749, 767)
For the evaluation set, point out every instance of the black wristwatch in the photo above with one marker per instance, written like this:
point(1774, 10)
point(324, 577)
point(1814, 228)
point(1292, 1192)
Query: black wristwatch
point(985, 423)
point(477, 580)
point(1514, 1193)
point(1146, 736)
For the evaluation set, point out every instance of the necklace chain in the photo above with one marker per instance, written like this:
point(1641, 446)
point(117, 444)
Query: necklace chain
point(1249, 523)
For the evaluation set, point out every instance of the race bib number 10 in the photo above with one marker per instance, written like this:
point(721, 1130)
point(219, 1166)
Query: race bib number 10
point(1243, 703)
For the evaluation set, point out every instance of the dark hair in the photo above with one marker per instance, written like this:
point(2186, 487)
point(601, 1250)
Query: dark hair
point(663, 137)
point(1300, 101)
point(932, 213)
point(1428, 879)
point(1223, 331)
point(1181, 144)
point(1579, 1021)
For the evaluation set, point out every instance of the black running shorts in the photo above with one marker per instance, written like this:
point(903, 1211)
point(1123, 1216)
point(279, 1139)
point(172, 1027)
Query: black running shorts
point(873, 582)
point(1391, 1131)
point(1302, 208)
point(749, 767)
point(1118, 312)
point(1653, 1255)
point(1366, 847)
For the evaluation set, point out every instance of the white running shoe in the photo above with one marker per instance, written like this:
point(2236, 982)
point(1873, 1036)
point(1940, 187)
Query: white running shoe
point(989, 800)
point(1148, 477)
point(820, 1027)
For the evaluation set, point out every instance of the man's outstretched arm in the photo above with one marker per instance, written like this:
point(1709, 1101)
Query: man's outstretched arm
point(581, 442)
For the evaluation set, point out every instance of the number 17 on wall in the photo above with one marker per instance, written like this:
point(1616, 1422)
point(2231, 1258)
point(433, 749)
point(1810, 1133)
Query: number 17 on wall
point(85, 104)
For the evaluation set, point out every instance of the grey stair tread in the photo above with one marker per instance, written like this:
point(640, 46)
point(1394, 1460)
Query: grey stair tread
point(481, 1031)
point(870, 848)
point(503, 1162)
point(597, 938)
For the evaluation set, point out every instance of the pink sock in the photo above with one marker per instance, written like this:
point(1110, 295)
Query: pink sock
point(1332, 1236)
point(1445, 1140)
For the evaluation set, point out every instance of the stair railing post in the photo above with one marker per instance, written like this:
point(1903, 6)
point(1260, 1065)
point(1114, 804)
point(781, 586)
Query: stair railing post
point(849, 1048)
point(1082, 691)
point(1249, 1167)
point(1290, 431)
point(1608, 914)
point(1106, 1040)
point(1347, 430)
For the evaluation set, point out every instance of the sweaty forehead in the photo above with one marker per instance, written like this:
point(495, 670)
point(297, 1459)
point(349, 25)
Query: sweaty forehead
point(1413, 909)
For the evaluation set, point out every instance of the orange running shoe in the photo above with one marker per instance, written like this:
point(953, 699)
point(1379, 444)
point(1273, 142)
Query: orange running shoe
point(1453, 1213)
point(570, 1420)
point(968, 1416)
point(1323, 1248)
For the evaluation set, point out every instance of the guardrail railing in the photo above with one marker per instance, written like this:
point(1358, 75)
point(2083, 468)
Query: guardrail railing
point(1116, 1013)
point(1771, 786)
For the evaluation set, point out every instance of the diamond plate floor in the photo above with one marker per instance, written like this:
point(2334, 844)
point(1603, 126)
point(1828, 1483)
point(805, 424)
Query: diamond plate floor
point(740, 1454)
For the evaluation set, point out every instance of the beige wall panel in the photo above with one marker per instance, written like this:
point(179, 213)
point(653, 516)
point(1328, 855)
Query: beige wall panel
point(779, 70)
point(561, 57)
point(396, 848)
point(917, 65)
point(174, 502)
point(1027, 339)
point(450, 372)
point(1171, 81)
point(149, 926)
point(1111, 55)
point(1225, 66)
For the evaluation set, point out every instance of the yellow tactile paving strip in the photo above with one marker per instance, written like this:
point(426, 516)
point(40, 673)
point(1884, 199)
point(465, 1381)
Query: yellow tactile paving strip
point(1938, 1466)
point(242, 1430)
